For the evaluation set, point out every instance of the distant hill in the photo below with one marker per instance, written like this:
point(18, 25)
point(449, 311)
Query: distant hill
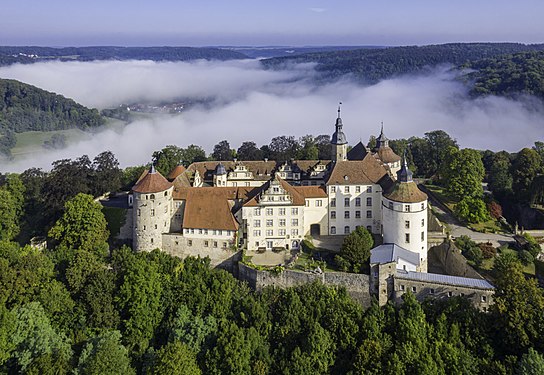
point(25, 107)
point(279, 51)
point(507, 75)
point(27, 55)
point(372, 65)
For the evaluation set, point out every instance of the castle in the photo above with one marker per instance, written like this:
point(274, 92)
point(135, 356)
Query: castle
point(213, 208)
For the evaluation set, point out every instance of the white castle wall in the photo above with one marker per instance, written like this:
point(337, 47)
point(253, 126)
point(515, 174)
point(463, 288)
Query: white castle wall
point(151, 217)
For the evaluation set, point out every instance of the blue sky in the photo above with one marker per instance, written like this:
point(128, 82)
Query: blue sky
point(271, 22)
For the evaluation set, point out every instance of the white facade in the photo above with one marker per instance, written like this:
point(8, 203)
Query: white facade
point(351, 206)
point(315, 219)
point(405, 224)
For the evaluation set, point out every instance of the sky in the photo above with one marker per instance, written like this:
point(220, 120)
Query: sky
point(258, 22)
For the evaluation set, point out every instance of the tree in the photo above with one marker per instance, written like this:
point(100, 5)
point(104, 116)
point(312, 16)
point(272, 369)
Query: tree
point(463, 173)
point(81, 227)
point(500, 177)
point(308, 149)
point(104, 354)
point(249, 151)
point(168, 158)
point(472, 210)
point(525, 167)
point(283, 148)
point(439, 142)
point(356, 248)
point(222, 151)
point(192, 154)
point(531, 363)
point(9, 223)
point(175, 358)
point(107, 174)
point(323, 143)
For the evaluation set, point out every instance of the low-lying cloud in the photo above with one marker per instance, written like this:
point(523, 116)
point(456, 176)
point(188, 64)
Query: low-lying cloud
point(256, 104)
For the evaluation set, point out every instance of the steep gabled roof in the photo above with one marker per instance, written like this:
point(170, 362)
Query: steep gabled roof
point(364, 172)
point(179, 169)
point(209, 208)
point(358, 152)
point(296, 196)
point(311, 191)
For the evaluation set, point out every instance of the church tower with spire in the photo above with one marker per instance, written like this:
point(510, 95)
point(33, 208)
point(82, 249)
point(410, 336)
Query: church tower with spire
point(338, 141)
point(386, 154)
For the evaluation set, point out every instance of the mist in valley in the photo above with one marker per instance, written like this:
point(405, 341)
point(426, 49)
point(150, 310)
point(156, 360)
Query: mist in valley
point(253, 104)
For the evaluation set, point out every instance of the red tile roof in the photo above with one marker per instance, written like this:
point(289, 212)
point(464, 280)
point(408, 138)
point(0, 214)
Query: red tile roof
point(152, 182)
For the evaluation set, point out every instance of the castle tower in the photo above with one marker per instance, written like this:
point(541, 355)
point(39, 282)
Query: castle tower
point(386, 153)
point(404, 215)
point(220, 175)
point(338, 141)
point(151, 210)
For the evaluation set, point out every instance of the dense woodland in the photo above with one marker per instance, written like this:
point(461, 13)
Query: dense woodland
point(508, 75)
point(10, 55)
point(86, 305)
point(25, 107)
point(372, 65)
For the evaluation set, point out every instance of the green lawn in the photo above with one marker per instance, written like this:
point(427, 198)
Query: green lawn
point(31, 142)
point(441, 194)
point(487, 264)
point(490, 226)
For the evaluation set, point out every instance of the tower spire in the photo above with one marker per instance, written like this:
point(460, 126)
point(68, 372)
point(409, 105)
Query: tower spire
point(339, 107)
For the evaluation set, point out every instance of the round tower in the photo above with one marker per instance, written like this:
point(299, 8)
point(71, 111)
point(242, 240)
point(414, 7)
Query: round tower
point(220, 175)
point(404, 215)
point(151, 210)
point(338, 141)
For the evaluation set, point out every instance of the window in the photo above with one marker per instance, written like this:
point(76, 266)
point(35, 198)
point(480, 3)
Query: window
point(177, 204)
point(205, 231)
point(346, 202)
point(200, 231)
point(483, 299)
point(346, 214)
point(357, 202)
point(192, 231)
point(294, 232)
point(407, 237)
point(357, 189)
point(346, 229)
point(282, 211)
point(431, 291)
point(307, 203)
point(269, 222)
point(357, 214)
point(189, 242)
point(414, 289)
point(422, 222)
point(294, 211)
point(152, 196)
point(333, 202)
point(144, 227)
point(369, 214)
point(368, 201)
point(318, 203)
point(407, 224)
point(257, 223)
point(269, 211)
point(333, 215)
point(390, 205)
point(152, 212)
point(152, 240)
point(294, 222)
point(369, 189)
point(282, 222)
point(206, 243)
point(155, 226)
point(214, 243)
point(270, 232)
point(369, 228)
point(346, 189)
point(422, 236)
point(139, 212)
point(333, 189)
point(257, 233)
point(281, 232)
point(225, 245)
point(407, 207)
point(402, 288)
point(333, 230)
point(450, 294)
point(256, 243)
point(422, 206)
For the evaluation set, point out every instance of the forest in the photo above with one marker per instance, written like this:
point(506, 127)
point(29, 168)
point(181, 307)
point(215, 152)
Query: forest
point(373, 65)
point(27, 55)
point(87, 305)
point(25, 107)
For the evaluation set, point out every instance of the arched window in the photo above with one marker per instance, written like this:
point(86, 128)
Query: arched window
point(346, 229)
point(333, 230)
point(165, 193)
point(152, 196)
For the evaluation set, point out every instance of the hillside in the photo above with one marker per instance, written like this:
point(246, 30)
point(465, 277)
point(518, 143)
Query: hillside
point(26, 55)
point(507, 75)
point(27, 108)
point(372, 65)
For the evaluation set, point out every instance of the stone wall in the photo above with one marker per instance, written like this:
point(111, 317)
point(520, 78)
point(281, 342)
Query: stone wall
point(125, 233)
point(176, 244)
point(357, 285)
point(480, 298)
point(452, 261)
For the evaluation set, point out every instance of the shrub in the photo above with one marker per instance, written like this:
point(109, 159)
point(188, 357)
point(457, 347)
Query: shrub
point(488, 250)
point(495, 210)
point(525, 257)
